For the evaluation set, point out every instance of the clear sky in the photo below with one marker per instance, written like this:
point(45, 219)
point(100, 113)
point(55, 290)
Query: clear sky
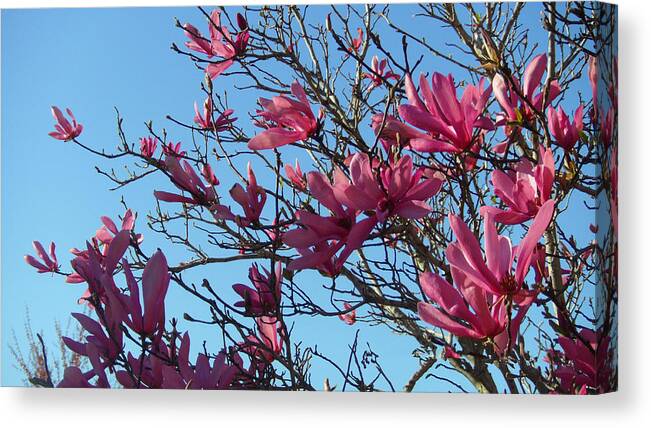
point(92, 60)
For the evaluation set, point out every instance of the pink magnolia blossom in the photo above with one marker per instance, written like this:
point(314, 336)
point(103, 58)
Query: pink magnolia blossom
point(96, 267)
point(205, 121)
point(209, 175)
point(200, 375)
point(393, 132)
point(593, 76)
point(50, 263)
point(99, 244)
point(356, 42)
point(107, 232)
point(350, 316)
point(73, 377)
point(171, 149)
point(148, 369)
point(251, 200)
point(377, 74)
point(525, 189)
point(154, 370)
point(400, 190)
point(296, 176)
point(104, 340)
point(495, 274)
point(469, 311)
point(565, 133)
point(449, 122)
point(319, 239)
point(287, 120)
point(148, 146)
point(204, 376)
point(516, 108)
point(220, 44)
point(268, 343)
point(147, 317)
point(65, 130)
point(264, 297)
point(584, 366)
point(186, 179)
point(274, 232)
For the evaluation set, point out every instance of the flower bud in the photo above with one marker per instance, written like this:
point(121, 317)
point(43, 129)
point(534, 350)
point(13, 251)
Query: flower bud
point(241, 22)
point(328, 23)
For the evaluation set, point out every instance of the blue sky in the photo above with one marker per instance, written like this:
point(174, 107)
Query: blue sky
point(92, 60)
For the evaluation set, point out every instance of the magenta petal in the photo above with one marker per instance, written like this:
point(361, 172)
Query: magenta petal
point(155, 281)
point(431, 315)
point(214, 70)
point(533, 75)
point(528, 244)
point(172, 197)
point(272, 138)
point(428, 145)
point(116, 250)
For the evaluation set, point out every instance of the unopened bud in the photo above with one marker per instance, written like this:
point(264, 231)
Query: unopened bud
point(241, 22)
point(208, 82)
point(328, 23)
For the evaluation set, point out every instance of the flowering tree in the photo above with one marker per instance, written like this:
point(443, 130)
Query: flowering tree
point(431, 204)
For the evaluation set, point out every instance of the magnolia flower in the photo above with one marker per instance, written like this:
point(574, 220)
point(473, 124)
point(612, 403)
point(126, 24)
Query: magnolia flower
point(186, 179)
point(264, 297)
point(251, 200)
point(287, 120)
point(584, 366)
point(171, 149)
point(220, 44)
point(148, 146)
point(565, 133)
point(267, 344)
point(393, 132)
point(607, 127)
point(400, 190)
point(449, 122)
point(466, 310)
point(148, 317)
point(296, 176)
point(98, 248)
point(515, 108)
point(377, 74)
point(204, 376)
point(209, 175)
point(326, 243)
point(50, 263)
point(96, 267)
point(73, 377)
point(350, 316)
point(204, 118)
point(593, 76)
point(200, 375)
point(104, 340)
point(524, 190)
point(65, 130)
point(494, 273)
point(356, 43)
point(109, 230)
